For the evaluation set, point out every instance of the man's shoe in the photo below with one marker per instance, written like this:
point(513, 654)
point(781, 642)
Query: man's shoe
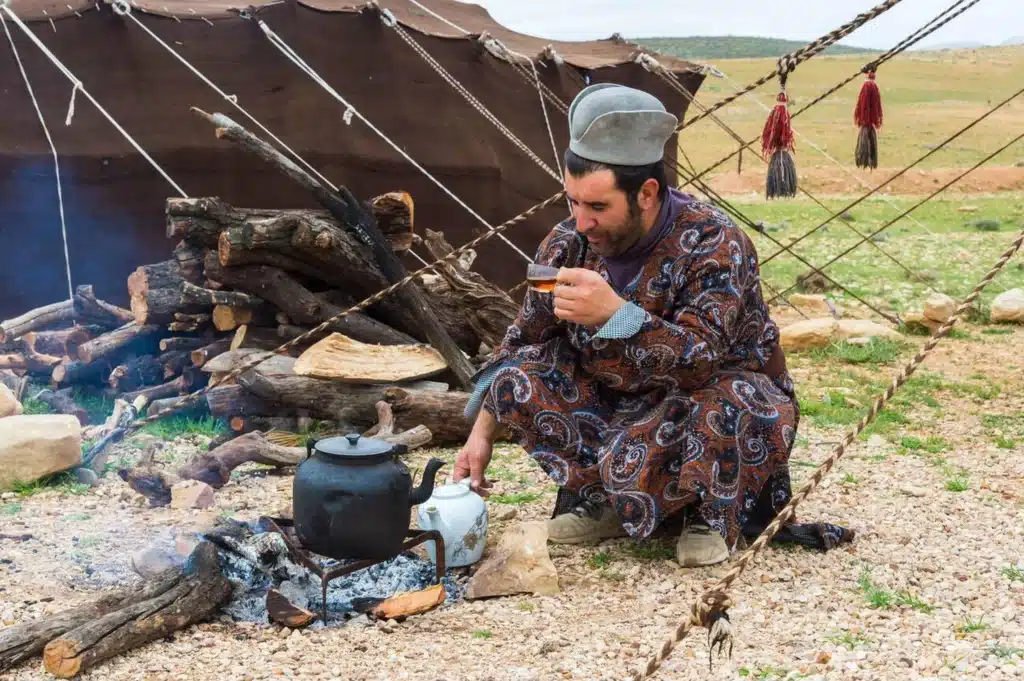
point(588, 523)
point(699, 545)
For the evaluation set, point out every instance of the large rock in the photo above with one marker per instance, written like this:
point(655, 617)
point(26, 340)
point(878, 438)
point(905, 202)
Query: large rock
point(819, 333)
point(9, 406)
point(191, 494)
point(32, 447)
point(520, 564)
point(939, 307)
point(1009, 306)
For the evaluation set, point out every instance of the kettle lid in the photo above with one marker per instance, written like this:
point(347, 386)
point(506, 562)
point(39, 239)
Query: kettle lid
point(356, 446)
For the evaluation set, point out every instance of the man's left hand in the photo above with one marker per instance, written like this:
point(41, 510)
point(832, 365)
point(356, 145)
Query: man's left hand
point(583, 296)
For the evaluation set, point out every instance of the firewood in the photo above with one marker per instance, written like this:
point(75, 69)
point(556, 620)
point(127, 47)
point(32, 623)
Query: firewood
point(62, 402)
point(340, 358)
point(232, 359)
point(229, 318)
point(39, 318)
point(441, 412)
point(409, 603)
point(16, 384)
point(90, 309)
point(157, 306)
point(79, 336)
point(151, 394)
point(55, 343)
point(136, 373)
point(187, 343)
point(286, 613)
point(100, 431)
point(190, 262)
point(196, 408)
point(247, 424)
point(208, 352)
point(281, 289)
point(24, 641)
point(197, 593)
point(412, 438)
point(13, 360)
point(173, 363)
point(258, 337)
point(489, 310)
point(233, 400)
point(213, 467)
point(75, 372)
point(142, 338)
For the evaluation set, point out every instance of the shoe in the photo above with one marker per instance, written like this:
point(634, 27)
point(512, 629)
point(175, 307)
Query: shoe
point(699, 546)
point(588, 523)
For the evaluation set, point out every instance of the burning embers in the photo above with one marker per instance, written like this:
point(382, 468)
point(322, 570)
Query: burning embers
point(275, 578)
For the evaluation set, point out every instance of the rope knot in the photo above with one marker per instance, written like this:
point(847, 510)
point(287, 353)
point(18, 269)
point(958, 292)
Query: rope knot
point(787, 64)
point(5, 3)
point(121, 8)
point(710, 612)
point(388, 18)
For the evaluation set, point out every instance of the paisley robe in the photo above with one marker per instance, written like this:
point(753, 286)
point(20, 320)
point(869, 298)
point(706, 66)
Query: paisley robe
point(691, 407)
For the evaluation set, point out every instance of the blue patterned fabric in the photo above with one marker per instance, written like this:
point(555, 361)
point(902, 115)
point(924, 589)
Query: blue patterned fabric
point(625, 323)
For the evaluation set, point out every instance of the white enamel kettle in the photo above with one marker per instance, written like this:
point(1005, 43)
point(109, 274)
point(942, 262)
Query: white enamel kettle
point(460, 515)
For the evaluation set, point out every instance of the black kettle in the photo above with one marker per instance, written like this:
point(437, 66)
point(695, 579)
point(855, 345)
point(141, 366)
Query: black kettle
point(351, 497)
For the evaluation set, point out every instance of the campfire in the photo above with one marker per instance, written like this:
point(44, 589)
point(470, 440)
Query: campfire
point(241, 283)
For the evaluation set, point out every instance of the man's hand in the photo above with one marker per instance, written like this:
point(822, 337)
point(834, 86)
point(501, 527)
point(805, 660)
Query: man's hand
point(472, 461)
point(583, 296)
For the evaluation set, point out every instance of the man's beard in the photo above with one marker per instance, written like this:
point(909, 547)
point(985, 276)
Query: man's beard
point(625, 235)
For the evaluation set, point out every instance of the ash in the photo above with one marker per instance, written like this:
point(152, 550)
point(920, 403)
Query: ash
point(256, 561)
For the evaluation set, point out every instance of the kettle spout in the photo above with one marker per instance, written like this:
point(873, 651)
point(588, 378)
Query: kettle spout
point(426, 487)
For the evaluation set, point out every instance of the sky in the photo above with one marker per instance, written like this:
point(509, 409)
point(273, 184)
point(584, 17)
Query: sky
point(989, 22)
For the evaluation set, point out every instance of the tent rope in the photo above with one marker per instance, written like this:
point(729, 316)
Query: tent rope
point(123, 9)
point(789, 62)
point(186, 399)
point(5, 7)
point(669, 77)
point(389, 20)
point(902, 172)
point(709, 610)
point(898, 49)
point(914, 207)
point(53, 150)
point(287, 51)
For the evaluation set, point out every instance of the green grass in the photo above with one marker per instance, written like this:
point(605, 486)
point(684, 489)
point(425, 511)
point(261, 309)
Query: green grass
point(971, 626)
point(10, 509)
point(849, 640)
point(651, 549)
point(60, 482)
point(482, 634)
point(178, 426)
point(1013, 573)
point(516, 498)
point(884, 599)
point(876, 351)
point(600, 560)
point(733, 47)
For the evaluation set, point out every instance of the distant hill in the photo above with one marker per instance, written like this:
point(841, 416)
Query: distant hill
point(732, 47)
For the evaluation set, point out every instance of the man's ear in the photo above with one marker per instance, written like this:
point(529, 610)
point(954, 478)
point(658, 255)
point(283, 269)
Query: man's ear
point(648, 194)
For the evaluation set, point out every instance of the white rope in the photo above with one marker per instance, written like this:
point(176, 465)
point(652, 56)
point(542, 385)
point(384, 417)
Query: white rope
point(547, 122)
point(298, 61)
point(439, 17)
point(846, 170)
point(53, 149)
point(5, 7)
point(389, 20)
point(123, 9)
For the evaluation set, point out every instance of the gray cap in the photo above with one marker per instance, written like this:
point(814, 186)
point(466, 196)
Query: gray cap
point(620, 125)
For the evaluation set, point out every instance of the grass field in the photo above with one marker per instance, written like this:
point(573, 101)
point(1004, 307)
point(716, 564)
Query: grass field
point(926, 96)
point(735, 47)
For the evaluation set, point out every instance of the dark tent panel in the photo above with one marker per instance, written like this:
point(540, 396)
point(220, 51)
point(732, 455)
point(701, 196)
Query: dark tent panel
point(114, 199)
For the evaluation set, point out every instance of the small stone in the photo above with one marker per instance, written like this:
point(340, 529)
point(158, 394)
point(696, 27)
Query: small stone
point(911, 491)
point(191, 494)
point(876, 441)
point(385, 626)
point(508, 514)
point(859, 340)
point(823, 657)
point(939, 307)
point(86, 476)
point(1009, 306)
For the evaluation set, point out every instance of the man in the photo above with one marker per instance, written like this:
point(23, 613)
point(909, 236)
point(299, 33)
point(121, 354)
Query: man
point(651, 380)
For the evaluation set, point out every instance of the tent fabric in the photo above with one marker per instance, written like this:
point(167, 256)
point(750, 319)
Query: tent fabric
point(114, 200)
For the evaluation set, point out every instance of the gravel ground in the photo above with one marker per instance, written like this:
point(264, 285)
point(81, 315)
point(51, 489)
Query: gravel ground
point(932, 587)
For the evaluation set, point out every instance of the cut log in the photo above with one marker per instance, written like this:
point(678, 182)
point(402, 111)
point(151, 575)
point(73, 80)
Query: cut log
point(340, 358)
point(24, 641)
point(410, 603)
point(140, 338)
point(229, 318)
point(212, 467)
point(13, 360)
point(90, 309)
point(81, 335)
point(16, 384)
point(62, 402)
point(196, 595)
point(248, 424)
point(161, 275)
point(300, 304)
point(190, 258)
point(39, 318)
point(55, 343)
point(76, 372)
point(233, 359)
point(173, 363)
point(441, 412)
point(208, 352)
point(157, 306)
point(171, 388)
point(182, 343)
point(196, 408)
point(123, 412)
point(137, 372)
point(259, 337)
point(233, 400)
point(488, 309)
point(28, 358)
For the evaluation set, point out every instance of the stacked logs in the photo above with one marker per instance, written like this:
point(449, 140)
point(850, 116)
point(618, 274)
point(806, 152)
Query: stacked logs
point(244, 279)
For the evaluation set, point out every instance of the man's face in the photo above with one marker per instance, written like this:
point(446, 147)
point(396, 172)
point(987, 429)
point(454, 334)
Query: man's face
point(603, 213)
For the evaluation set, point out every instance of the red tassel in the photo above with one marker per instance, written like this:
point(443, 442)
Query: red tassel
point(869, 105)
point(778, 131)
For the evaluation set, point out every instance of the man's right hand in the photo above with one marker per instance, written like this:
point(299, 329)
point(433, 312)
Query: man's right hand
point(472, 461)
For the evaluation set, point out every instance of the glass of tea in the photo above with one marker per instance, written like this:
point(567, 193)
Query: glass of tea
point(541, 278)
